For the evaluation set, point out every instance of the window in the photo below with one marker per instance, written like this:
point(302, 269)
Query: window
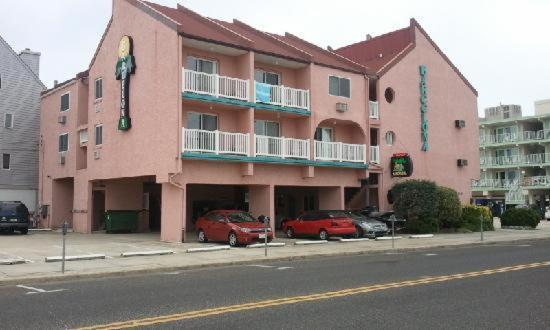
point(202, 121)
point(270, 78)
point(6, 158)
point(389, 94)
point(98, 135)
point(390, 138)
point(202, 65)
point(65, 102)
point(98, 88)
point(267, 128)
point(8, 120)
point(64, 142)
point(323, 134)
point(338, 86)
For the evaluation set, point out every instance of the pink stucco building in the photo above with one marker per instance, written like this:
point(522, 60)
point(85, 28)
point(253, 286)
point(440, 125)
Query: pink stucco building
point(178, 113)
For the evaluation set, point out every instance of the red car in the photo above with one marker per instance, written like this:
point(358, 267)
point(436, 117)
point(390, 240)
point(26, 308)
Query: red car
point(233, 226)
point(321, 224)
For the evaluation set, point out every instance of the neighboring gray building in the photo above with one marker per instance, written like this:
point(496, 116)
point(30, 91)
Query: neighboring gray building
point(20, 89)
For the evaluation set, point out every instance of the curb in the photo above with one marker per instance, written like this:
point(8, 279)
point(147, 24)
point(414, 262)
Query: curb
point(12, 261)
point(310, 242)
point(75, 258)
point(66, 277)
point(260, 245)
point(422, 236)
point(350, 240)
point(387, 238)
point(209, 249)
point(146, 253)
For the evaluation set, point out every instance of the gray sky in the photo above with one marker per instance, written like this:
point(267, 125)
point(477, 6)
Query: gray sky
point(502, 47)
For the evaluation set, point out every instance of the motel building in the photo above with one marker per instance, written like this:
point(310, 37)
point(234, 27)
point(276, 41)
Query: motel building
point(178, 114)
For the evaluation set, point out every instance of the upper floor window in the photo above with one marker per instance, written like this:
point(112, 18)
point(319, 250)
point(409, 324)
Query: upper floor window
point(63, 142)
point(98, 88)
point(323, 134)
point(6, 159)
point(270, 78)
point(201, 65)
point(267, 128)
point(339, 86)
point(8, 120)
point(202, 121)
point(98, 135)
point(65, 102)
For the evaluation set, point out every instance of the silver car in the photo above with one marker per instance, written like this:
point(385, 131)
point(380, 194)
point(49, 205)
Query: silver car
point(367, 227)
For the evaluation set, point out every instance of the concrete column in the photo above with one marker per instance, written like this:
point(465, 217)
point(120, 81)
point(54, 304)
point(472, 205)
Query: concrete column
point(173, 214)
point(261, 201)
point(82, 205)
point(331, 198)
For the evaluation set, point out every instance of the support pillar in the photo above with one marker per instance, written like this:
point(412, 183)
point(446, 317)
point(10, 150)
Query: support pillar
point(261, 201)
point(173, 214)
point(331, 198)
point(82, 205)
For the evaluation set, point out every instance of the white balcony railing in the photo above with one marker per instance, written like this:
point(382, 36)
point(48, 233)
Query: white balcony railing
point(281, 147)
point(541, 180)
point(515, 137)
point(373, 110)
point(515, 197)
point(375, 154)
point(495, 183)
point(342, 152)
point(217, 142)
point(282, 95)
point(215, 85)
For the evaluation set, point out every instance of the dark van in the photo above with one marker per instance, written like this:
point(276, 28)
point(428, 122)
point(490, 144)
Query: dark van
point(14, 216)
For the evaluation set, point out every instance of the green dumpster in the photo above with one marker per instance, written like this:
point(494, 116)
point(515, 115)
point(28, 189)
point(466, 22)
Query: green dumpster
point(121, 221)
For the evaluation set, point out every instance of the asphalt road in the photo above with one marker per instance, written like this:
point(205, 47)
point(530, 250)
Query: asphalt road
point(503, 286)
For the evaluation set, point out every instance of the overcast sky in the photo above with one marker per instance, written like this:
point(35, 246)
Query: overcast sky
point(502, 47)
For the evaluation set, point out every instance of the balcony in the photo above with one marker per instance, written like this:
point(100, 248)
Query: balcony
point(375, 154)
point(281, 147)
point(515, 197)
point(282, 96)
point(495, 183)
point(216, 142)
point(536, 181)
point(515, 160)
point(373, 110)
point(216, 85)
point(340, 152)
point(510, 138)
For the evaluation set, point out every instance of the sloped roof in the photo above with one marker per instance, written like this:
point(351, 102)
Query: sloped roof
point(35, 76)
point(382, 52)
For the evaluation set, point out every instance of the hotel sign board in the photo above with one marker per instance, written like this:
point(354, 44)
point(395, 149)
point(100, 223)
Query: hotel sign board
point(401, 165)
point(423, 108)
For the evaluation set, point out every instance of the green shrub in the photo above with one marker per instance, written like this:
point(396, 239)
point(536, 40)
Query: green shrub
point(520, 217)
point(470, 218)
point(538, 210)
point(449, 211)
point(416, 201)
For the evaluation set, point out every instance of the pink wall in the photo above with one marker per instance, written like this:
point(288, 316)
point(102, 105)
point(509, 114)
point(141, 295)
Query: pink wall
point(449, 98)
point(262, 202)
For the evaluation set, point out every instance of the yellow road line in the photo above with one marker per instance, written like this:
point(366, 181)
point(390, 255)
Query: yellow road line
point(305, 298)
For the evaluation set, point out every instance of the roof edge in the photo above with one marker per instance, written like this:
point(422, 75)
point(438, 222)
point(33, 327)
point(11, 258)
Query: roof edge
point(22, 62)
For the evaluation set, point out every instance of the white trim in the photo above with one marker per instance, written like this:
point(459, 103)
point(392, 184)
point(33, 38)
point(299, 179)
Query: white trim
point(61, 97)
point(339, 77)
point(12, 119)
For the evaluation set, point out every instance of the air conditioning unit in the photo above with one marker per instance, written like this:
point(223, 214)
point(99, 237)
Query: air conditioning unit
point(341, 107)
point(460, 123)
point(461, 162)
point(62, 119)
point(97, 154)
point(62, 157)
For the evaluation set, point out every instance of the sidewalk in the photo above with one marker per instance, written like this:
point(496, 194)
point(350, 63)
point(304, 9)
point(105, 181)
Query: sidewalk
point(36, 246)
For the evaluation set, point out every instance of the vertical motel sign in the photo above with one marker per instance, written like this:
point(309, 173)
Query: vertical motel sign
point(423, 108)
point(125, 66)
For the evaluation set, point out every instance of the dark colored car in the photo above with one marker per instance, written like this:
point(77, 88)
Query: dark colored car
point(386, 217)
point(321, 224)
point(232, 226)
point(368, 227)
point(14, 216)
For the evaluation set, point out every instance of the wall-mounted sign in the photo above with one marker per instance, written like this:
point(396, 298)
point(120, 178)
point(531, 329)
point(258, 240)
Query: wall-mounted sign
point(423, 108)
point(401, 165)
point(125, 66)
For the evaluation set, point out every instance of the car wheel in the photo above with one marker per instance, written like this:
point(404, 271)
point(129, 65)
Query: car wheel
point(290, 232)
point(24, 231)
point(323, 234)
point(232, 239)
point(201, 236)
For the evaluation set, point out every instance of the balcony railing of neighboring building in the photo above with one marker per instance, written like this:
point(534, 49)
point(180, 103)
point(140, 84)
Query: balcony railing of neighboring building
point(514, 197)
point(495, 183)
point(216, 142)
point(342, 152)
point(216, 85)
point(516, 160)
point(375, 154)
point(536, 181)
point(524, 136)
point(281, 147)
point(373, 110)
point(282, 95)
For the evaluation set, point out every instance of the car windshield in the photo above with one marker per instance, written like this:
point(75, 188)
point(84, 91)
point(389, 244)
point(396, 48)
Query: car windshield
point(357, 216)
point(7, 210)
point(338, 214)
point(240, 217)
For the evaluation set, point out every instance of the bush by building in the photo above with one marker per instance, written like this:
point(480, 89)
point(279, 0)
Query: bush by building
point(416, 201)
point(520, 217)
point(471, 221)
point(449, 211)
